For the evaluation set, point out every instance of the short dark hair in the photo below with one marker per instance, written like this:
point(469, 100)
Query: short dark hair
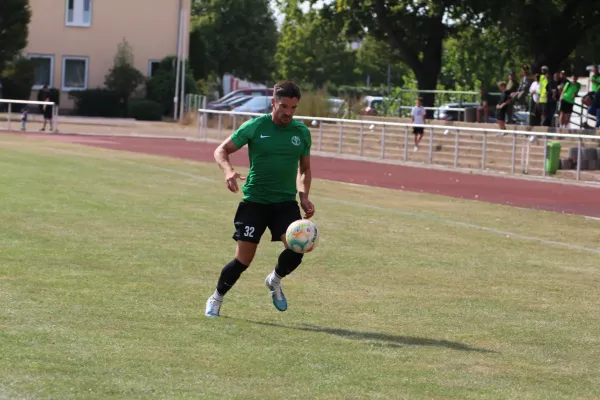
point(286, 89)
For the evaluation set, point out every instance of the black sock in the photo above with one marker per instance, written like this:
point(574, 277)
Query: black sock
point(229, 276)
point(288, 261)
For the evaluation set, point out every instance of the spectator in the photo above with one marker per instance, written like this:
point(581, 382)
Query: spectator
point(46, 108)
point(24, 115)
point(417, 116)
point(594, 80)
point(512, 87)
point(567, 100)
point(551, 100)
point(543, 92)
point(526, 81)
point(535, 112)
point(596, 105)
point(504, 101)
point(483, 107)
point(593, 87)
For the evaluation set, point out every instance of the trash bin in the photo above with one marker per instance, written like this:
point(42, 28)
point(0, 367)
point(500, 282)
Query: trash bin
point(553, 157)
point(470, 114)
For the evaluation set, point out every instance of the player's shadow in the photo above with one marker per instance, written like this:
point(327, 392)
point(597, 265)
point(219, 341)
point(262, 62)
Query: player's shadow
point(381, 339)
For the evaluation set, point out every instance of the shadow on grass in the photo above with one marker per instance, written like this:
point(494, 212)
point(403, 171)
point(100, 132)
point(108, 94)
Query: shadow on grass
point(383, 339)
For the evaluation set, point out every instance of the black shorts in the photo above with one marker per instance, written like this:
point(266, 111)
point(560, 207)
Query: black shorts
point(501, 114)
point(566, 107)
point(418, 131)
point(252, 219)
point(48, 112)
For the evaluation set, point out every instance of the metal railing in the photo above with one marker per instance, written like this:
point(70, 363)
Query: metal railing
point(367, 127)
point(53, 122)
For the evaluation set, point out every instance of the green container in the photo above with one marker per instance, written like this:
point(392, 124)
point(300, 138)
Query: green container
point(553, 157)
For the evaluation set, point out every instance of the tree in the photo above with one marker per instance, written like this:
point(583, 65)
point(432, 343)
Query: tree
point(123, 77)
point(549, 30)
point(478, 57)
point(311, 50)
point(15, 16)
point(373, 59)
point(417, 30)
point(233, 36)
point(17, 79)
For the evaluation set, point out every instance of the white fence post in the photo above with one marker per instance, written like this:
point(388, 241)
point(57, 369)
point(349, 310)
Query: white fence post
point(320, 135)
point(514, 154)
point(483, 149)
point(382, 154)
point(456, 148)
point(340, 138)
point(406, 143)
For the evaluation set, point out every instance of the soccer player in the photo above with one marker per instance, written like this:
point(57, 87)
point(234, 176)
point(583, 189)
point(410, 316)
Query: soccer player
point(279, 153)
point(567, 101)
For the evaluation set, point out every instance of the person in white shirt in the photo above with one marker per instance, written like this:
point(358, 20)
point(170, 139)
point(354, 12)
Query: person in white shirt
point(535, 111)
point(417, 116)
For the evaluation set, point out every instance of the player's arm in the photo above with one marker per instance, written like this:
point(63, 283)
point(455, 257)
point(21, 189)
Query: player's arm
point(222, 155)
point(222, 158)
point(304, 181)
point(304, 177)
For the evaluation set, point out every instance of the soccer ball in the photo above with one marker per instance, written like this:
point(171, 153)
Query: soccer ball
point(302, 236)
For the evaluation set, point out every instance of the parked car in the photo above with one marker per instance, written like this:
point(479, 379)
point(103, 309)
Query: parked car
point(446, 111)
point(372, 104)
point(257, 104)
point(336, 105)
point(241, 93)
point(231, 103)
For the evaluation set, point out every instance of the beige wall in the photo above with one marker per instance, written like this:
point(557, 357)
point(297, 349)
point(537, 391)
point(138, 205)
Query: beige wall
point(150, 27)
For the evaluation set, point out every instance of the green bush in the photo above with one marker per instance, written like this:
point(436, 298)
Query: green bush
point(17, 80)
point(161, 87)
point(97, 103)
point(145, 110)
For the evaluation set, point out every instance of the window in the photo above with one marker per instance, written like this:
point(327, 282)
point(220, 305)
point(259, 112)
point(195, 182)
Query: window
point(79, 12)
point(75, 73)
point(153, 67)
point(44, 70)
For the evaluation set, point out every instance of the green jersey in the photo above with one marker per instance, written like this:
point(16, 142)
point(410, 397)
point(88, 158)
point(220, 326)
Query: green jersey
point(274, 152)
point(570, 90)
point(595, 79)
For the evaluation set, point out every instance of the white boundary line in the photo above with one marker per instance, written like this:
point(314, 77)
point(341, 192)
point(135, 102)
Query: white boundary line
point(367, 206)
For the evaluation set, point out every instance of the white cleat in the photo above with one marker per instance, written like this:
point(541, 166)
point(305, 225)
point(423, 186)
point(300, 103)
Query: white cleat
point(213, 307)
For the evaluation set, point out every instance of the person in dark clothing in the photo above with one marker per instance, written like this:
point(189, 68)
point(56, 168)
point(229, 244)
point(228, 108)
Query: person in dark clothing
point(47, 110)
point(504, 101)
point(596, 105)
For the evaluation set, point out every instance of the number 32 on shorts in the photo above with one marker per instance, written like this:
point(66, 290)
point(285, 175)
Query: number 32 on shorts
point(249, 231)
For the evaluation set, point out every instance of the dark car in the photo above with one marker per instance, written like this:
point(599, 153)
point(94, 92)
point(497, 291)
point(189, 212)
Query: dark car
point(231, 103)
point(452, 112)
point(240, 93)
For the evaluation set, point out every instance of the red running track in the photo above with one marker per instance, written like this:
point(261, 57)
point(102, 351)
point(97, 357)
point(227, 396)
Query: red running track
point(549, 196)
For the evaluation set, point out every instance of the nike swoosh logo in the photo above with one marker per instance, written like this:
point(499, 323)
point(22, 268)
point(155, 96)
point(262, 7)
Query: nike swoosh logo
point(262, 137)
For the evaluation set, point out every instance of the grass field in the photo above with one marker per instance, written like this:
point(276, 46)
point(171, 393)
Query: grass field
point(107, 258)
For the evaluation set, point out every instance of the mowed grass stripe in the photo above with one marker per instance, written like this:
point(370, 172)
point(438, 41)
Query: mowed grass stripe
point(106, 266)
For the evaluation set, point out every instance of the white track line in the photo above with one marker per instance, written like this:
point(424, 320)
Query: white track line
point(367, 206)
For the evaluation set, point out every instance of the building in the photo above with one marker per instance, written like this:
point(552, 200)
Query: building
point(74, 42)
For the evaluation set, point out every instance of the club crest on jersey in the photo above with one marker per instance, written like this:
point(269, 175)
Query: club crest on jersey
point(296, 141)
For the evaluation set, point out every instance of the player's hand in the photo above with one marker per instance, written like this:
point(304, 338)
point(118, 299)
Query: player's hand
point(231, 181)
point(308, 207)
